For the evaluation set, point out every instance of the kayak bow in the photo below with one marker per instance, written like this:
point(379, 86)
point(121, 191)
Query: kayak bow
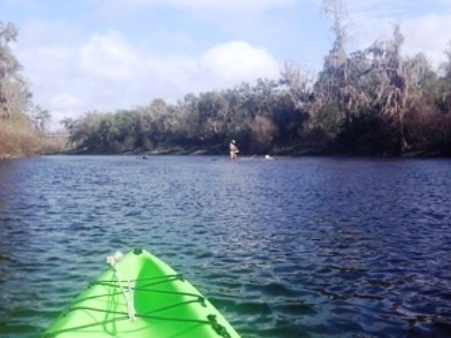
point(140, 296)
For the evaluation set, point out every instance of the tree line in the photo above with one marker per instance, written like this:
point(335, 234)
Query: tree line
point(22, 124)
point(373, 101)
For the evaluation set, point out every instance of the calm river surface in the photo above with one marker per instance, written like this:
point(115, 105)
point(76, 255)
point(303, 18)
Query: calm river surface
point(307, 247)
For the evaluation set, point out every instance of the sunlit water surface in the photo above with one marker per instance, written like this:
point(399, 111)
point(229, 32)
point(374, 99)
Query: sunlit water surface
point(307, 247)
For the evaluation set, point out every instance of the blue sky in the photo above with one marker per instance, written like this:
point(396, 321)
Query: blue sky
point(84, 55)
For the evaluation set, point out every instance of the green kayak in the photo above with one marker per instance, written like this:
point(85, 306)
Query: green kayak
point(140, 296)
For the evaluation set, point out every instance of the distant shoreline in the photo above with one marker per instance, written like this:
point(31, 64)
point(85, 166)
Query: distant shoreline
point(209, 152)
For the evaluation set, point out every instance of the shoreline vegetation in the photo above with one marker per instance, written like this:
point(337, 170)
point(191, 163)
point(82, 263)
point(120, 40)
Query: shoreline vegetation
point(370, 102)
point(277, 153)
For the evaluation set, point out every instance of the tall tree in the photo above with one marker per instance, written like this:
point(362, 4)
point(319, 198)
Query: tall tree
point(41, 118)
point(446, 80)
point(14, 91)
point(299, 82)
point(395, 80)
point(331, 88)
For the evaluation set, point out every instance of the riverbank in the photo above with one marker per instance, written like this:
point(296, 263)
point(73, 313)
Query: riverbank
point(280, 152)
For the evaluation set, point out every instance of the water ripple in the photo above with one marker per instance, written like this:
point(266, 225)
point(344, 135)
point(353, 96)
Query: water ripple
point(287, 248)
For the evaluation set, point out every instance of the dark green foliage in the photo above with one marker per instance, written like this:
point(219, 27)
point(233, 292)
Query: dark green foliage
point(367, 134)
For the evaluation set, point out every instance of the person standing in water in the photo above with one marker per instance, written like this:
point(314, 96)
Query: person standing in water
point(233, 150)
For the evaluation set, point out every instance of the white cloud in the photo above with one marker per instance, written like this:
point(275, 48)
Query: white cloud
point(64, 101)
point(218, 5)
point(238, 61)
point(105, 72)
point(228, 4)
point(64, 105)
point(425, 28)
point(109, 56)
point(429, 34)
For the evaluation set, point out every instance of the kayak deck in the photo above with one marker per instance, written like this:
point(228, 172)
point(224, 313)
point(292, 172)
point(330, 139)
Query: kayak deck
point(140, 296)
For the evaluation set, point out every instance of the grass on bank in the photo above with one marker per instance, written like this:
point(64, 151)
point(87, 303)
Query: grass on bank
point(18, 139)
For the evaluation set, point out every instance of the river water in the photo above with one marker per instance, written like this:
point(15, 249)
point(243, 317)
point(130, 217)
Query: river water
point(306, 247)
